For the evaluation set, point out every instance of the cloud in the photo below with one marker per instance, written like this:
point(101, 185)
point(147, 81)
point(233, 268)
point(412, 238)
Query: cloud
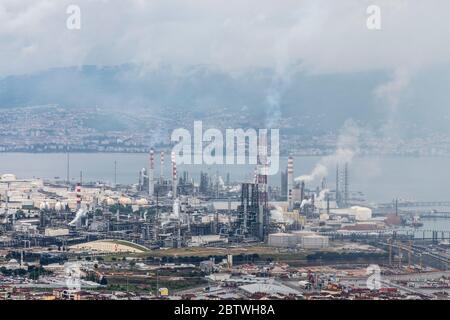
point(321, 35)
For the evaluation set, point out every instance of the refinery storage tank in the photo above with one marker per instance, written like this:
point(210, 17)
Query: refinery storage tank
point(110, 202)
point(44, 206)
point(8, 177)
point(314, 242)
point(142, 202)
point(58, 206)
point(125, 201)
point(299, 234)
point(361, 213)
point(282, 240)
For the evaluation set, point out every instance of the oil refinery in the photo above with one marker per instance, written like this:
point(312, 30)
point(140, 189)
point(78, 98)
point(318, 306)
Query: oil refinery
point(243, 239)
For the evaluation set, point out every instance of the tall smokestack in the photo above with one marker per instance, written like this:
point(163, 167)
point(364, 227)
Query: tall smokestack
point(162, 166)
point(328, 204)
point(290, 182)
point(174, 176)
point(78, 194)
point(7, 202)
point(302, 191)
point(263, 218)
point(151, 181)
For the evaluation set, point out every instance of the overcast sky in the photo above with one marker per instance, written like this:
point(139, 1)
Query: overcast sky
point(319, 35)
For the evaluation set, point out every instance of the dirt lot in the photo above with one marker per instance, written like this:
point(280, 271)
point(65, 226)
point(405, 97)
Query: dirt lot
point(261, 250)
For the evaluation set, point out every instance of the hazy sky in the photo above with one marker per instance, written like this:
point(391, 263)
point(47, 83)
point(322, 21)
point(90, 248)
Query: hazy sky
point(319, 35)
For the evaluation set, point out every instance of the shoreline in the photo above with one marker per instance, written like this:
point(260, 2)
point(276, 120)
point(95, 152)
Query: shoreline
point(361, 156)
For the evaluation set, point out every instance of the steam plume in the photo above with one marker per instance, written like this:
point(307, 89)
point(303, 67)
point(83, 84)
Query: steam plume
point(347, 147)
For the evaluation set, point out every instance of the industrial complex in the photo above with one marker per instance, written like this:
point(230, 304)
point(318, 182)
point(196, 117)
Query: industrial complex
point(175, 236)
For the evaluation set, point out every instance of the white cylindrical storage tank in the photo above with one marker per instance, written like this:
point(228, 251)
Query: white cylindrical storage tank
point(110, 202)
point(43, 205)
point(314, 242)
point(299, 234)
point(51, 204)
point(282, 240)
point(142, 202)
point(361, 213)
point(59, 206)
point(125, 201)
point(8, 177)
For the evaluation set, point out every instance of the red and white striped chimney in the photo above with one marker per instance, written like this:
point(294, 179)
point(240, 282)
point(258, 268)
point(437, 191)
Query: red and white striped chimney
point(174, 176)
point(151, 169)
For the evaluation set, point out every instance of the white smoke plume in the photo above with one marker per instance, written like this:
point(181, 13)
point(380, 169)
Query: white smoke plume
point(277, 216)
point(348, 140)
point(390, 95)
point(322, 195)
point(346, 148)
point(273, 98)
point(285, 64)
point(305, 202)
point(320, 170)
point(391, 91)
